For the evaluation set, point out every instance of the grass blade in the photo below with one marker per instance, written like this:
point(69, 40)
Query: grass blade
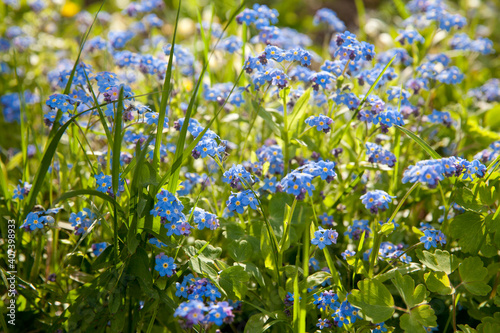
point(104, 196)
point(167, 89)
point(420, 142)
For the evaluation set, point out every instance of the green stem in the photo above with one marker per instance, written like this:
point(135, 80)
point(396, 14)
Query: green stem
point(285, 133)
point(376, 246)
point(305, 267)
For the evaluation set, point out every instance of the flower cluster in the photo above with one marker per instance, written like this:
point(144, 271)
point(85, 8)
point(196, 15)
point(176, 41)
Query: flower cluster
point(355, 230)
point(321, 122)
point(237, 176)
point(342, 313)
point(104, 184)
point(196, 312)
point(238, 201)
point(432, 237)
point(204, 219)
point(377, 154)
point(169, 209)
point(324, 237)
point(489, 154)
point(82, 220)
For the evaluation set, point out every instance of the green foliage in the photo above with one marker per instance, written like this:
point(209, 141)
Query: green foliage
point(374, 299)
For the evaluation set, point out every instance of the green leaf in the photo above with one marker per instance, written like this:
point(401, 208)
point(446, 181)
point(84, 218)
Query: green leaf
point(419, 141)
point(298, 111)
point(420, 316)
point(465, 198)
point(473, 274)
point(386, 229)
point(406, 287)
point(488, 192)
point(466, 329)
point(139, 266)
point(315, 279)
point(268, 118)
point(240, 250)
point(256, 323)
point(232, 280)
point(469, 229)
point(438, 282)
point(374, 300)
point(493, 225)
point(403, 269)
point(440, 261)
point(89, 192)
point(104, 259)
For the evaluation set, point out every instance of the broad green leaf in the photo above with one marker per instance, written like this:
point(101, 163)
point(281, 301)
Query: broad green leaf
point(404, 269)
point(315, 279)
point(209, 252)
point(233, 281)
point(420, 316)
point(268, 118)
point(488, 192)
point(440, 261)
point(432, 153)
point(204, 267)
point(466, 198)
point(256, 323)
point(473, 275)
point(406, 287)
point(240, 250)
point(104, 259)
point(298, 111)
point(469, 229)
point(438, 282)
point(493, 225)
point(386, 229)
point(466, 329)
point(374, 300)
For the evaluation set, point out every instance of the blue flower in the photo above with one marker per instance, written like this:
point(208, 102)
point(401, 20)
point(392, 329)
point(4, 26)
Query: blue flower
point(34, 221)
point(270, 184)
point(409, 36)
point(438, 117)
point(451, 75)
point(97, 248)
point(429, 239)
point(321, 122)
point(323, 237)
point(165, 265)
point(379, 328)
point(347, 253)
point(181, 289)
point(329, 17)
point(326, 219)
point(377, 154)
point(322, 79)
